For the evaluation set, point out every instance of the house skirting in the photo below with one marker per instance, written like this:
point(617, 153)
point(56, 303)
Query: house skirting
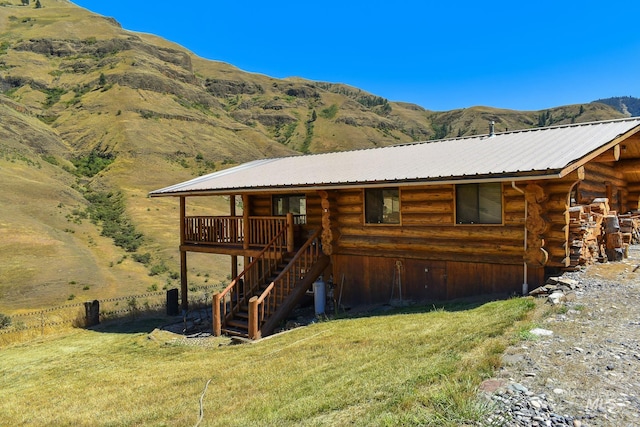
point(375, 280)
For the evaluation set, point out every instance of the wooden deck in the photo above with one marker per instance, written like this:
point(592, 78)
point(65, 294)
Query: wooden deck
point(222, 249)
point(235, 235)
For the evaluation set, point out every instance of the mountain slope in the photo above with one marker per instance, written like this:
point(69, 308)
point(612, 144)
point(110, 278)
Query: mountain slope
point(93, 113)
point(627, 105)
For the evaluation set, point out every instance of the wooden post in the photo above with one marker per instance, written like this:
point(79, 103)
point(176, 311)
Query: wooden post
point(254, 331)
point(183, 209)
point(290, 234)
point(234, 234)
point(217, 320)
point(245, 221)
point(183, 281)
point(183, 257)
point(234, 267)
point(92, 313)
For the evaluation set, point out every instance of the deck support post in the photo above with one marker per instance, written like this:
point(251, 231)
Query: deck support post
point(183, 281)
point(183, 257)
point(234, 267)
point(234, 236)
point(217, 320)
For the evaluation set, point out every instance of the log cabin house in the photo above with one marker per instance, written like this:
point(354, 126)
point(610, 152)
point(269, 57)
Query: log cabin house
point(425, 221)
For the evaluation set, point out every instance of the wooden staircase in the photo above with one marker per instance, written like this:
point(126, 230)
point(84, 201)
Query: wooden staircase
point(238, 323)
point(268, 289)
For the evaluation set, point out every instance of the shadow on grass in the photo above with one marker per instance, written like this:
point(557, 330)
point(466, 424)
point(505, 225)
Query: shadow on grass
point(399, 307)
point(199, 321)
point(194, 321)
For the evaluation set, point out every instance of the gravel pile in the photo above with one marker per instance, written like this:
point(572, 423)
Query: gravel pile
point(581, 366)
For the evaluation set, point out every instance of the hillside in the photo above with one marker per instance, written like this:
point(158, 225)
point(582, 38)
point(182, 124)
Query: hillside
point(627, 105)
point(95, 116)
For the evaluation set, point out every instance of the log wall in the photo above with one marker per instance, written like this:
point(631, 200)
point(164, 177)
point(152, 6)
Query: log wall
point(260, 205)
point(429, 257)
point(427, 229)
point(438, 259)
point(556, 213)
point(603, 180)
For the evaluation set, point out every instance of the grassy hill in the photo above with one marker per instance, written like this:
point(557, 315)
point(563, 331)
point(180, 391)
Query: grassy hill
point(418, 367)
point(93, 117)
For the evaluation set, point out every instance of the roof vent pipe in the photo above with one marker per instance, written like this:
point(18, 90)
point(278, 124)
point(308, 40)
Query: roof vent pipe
point(492, 128)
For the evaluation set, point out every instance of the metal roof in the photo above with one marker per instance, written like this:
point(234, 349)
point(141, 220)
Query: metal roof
point(541, 152)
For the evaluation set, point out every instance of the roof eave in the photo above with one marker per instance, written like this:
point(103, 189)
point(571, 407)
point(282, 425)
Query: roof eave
point(595, 153)
point(507, 177)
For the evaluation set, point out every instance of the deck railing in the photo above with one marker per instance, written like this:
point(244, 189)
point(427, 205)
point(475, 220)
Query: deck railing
point(214, 229)
point(243, 287)
point(263, 306)
point(232, 230)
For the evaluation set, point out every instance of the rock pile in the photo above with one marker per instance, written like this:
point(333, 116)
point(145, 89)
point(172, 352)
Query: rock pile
point(517, 406)
point(557, 290)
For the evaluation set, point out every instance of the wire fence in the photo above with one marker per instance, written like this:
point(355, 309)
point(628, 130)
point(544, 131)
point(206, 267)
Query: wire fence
point(75, 315)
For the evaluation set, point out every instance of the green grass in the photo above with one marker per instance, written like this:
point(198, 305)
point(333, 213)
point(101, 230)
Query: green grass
point(402, 368)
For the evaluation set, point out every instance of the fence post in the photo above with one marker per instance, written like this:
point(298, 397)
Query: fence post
point(92, 312)
point(254, 331)
point(173, 308)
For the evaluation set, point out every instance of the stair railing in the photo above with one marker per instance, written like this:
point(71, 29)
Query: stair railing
point(263, 306)
point(229, 301)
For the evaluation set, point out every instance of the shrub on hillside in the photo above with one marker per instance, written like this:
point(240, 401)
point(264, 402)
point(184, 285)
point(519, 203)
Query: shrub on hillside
point(92, 163)
point(5, 321)
point(108, 209)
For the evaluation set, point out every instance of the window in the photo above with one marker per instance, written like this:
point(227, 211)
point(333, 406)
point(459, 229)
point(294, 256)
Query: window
point(291, 203)
point(382, 206)
point(479, 203)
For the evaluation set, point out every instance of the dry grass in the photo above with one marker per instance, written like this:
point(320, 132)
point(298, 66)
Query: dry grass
point(402, 368)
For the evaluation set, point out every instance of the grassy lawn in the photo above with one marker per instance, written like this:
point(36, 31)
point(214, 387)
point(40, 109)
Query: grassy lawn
point(418, 367)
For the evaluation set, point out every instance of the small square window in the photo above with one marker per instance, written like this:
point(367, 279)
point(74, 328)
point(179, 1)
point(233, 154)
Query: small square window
point(382, 206)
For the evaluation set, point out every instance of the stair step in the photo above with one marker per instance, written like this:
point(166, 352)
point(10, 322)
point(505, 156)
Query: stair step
point(243, 314)
point(239, 323)
point(235, 332)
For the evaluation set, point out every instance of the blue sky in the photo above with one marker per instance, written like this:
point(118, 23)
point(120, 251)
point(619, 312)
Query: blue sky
point(440, 55)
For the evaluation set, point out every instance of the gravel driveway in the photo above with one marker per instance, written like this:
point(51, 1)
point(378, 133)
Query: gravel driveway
point(584, 368)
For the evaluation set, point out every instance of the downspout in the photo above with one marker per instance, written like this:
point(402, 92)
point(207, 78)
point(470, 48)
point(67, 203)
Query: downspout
point(525, 285)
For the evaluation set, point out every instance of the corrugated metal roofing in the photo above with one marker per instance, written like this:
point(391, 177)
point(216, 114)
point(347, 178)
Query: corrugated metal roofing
point(532, 152)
